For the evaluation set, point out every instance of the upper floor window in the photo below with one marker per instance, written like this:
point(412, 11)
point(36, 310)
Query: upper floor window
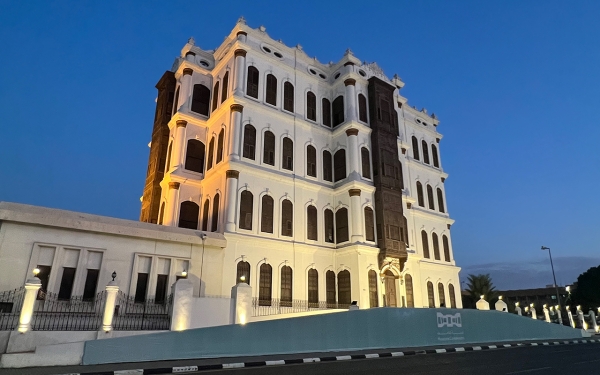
point(211, 148)
point(434, 156)
point(430, 197)
point(215, 213)
point(338, 110)
point(188, 215)
point(252, 82)
point(220, 146)
point(205, 209)
point(266, 218)
point(326, 104)
point(161, 216)
point(369, 224)
point(271, 96)
point(311, 161)
point(246, 206)
point(420, 198)
point(168, 163)
point(400, 175)
point(288, 97)
point(176, 104)
point(339, 165)
point(329, 231)
point(341, 225)
point(446, 246)
point(425, 243)
point(415, 147)
point(225, 87)
point(440, 197)
point(269, 148)
point(194, 156)
point(215, 101)
point(385, 111)
point(200, 99)
point(287, 218)
point(311, 223)
point(425, 152)
point(287, 161)
point(362, 108)
point(436, 246)
point(249, 142)
point(366, 162)
point(327, 175)
point(311, 106)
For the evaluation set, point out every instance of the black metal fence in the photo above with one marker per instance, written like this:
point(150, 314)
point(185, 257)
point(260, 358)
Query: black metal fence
point(262, 307)
point(148, 315)
point(10, 308)
point(73, 314)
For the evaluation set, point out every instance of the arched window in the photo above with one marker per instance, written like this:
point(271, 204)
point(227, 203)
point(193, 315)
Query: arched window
point(266, 219)
point(410, 299)
point(215, 99)
point(339, 165)
point(366, 162)
point(269, 148)
point(161, 216)
point(405, 231)
point(286, 286)
point(341, 225)
point(271, 96)
point(452, 296)
point(425, 152)
point(243, 273)
point(188, 215)
point(211, 150)
point(373, 298)
point(215, 213)
point(401, 175)
point(415, 147)
point(338, 110)
point(194, 156)
point(311, 106)
point(420, 198)
point(430, 197)
point(436, 246)
point(442, 295)
point(168, 163)
point(430, 295)
point(446, 248)
point(362, 108)
point(252, 83)
point(205, 215)
point(246, 210)
point(287, 161)
point(225, 87)
point(288, 97)
point(326, 104)
point(329, 231)
point(311, 223)
point(200, 99)
point(369, 224)
point(313, 288)
point(249, 142)
point(330, 289)
point(287, 218)
point(264, 285)
point(440, 197)
point(220, 146)
point(425, 243)
point(311, 161)
point(344, 289)
point(176, 104)
point(434, 156)
point(327, 175)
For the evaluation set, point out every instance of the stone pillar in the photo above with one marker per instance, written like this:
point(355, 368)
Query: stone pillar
point(533, 312)
point(240, 72)
point(546, 314)
point(235, 131)
point(354, 153)
point(501, 305)
point(580, 318)
point(357, 227)
point(559, 314)
point(570, 314)
point(185, 89)
point(189, 56)
point(109, 305)
point(518, 310)
point(241, 304)
point(183, 295)
point(351, 107)
point(593, 320)
point(242, 36)
point(232, 187)
point(178, 144)
point(482, 304)
point(172, 205)
point(31, 290)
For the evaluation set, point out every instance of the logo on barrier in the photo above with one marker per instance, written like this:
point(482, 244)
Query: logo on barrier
point(449, 320)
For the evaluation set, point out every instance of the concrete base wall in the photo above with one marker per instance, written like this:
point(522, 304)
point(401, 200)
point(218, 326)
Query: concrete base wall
point(52, 355)
point(29, 341)
point(4, 337)
point(294, 315)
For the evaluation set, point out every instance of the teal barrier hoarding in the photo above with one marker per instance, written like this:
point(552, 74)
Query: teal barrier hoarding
point(362, 329)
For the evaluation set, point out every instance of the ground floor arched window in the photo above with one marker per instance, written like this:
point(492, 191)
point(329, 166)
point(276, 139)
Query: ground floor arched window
point(344, 289)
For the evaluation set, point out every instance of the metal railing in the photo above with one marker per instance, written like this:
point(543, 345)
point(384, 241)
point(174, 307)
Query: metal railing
point(141, 316)
point(73, 314)
point(262, 307)
point(10, 308)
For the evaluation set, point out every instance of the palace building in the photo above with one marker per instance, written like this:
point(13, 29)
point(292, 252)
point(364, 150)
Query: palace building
point(326, 185)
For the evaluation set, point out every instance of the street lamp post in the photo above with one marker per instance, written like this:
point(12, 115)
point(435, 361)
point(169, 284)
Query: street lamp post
point(553, 275)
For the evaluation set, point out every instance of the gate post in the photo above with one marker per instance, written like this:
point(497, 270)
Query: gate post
point(241, 303)
point(109, 305)
point(183, 294)
point(31, 289)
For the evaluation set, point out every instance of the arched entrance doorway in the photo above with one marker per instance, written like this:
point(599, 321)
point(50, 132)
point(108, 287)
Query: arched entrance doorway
point(391, 298)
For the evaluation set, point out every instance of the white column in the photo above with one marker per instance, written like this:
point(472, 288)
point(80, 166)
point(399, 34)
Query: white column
point(354, 154)
point(235, 131)
point(185, 89)
point(241, 304)
point(109, 305)
point(351, 99)
point(31, 290)
point(570, 314)
point(240, 72)
point(593, 321)
point(501, 305)
point(178, 144)
point(482, 304)
point(232, 187)
point(183, 294)
point(546, 313)
point(357, 228)
point(171, 206)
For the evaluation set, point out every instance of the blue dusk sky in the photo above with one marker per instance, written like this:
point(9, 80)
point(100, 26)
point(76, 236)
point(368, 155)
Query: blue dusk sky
point(514, 83)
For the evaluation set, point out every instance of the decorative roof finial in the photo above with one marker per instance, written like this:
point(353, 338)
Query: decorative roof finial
point(262, 28)
point(348, 52)
point(396, 76)
point(433, 116)
point(424, 110)
point(299, 47)
point(192, 41)
point(241, 20)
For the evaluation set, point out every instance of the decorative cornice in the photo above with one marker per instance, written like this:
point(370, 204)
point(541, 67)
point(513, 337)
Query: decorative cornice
point(187, 72)
point(239, 52)
point(181, 123)
point(237, 108)
point(354, 192)
point(232, 174)
point(351, 131)
point(350, 82)
point(174, 185)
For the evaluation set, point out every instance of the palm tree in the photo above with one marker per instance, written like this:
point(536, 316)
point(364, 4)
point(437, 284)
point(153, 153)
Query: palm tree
point(481, 285)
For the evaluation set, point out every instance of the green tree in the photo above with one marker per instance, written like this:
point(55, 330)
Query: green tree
point(480, 285)
point(587, 293)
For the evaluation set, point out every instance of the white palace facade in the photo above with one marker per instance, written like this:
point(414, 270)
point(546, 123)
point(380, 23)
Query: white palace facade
point(327, 187)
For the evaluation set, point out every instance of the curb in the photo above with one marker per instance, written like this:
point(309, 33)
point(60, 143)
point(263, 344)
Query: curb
point(184, 369)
